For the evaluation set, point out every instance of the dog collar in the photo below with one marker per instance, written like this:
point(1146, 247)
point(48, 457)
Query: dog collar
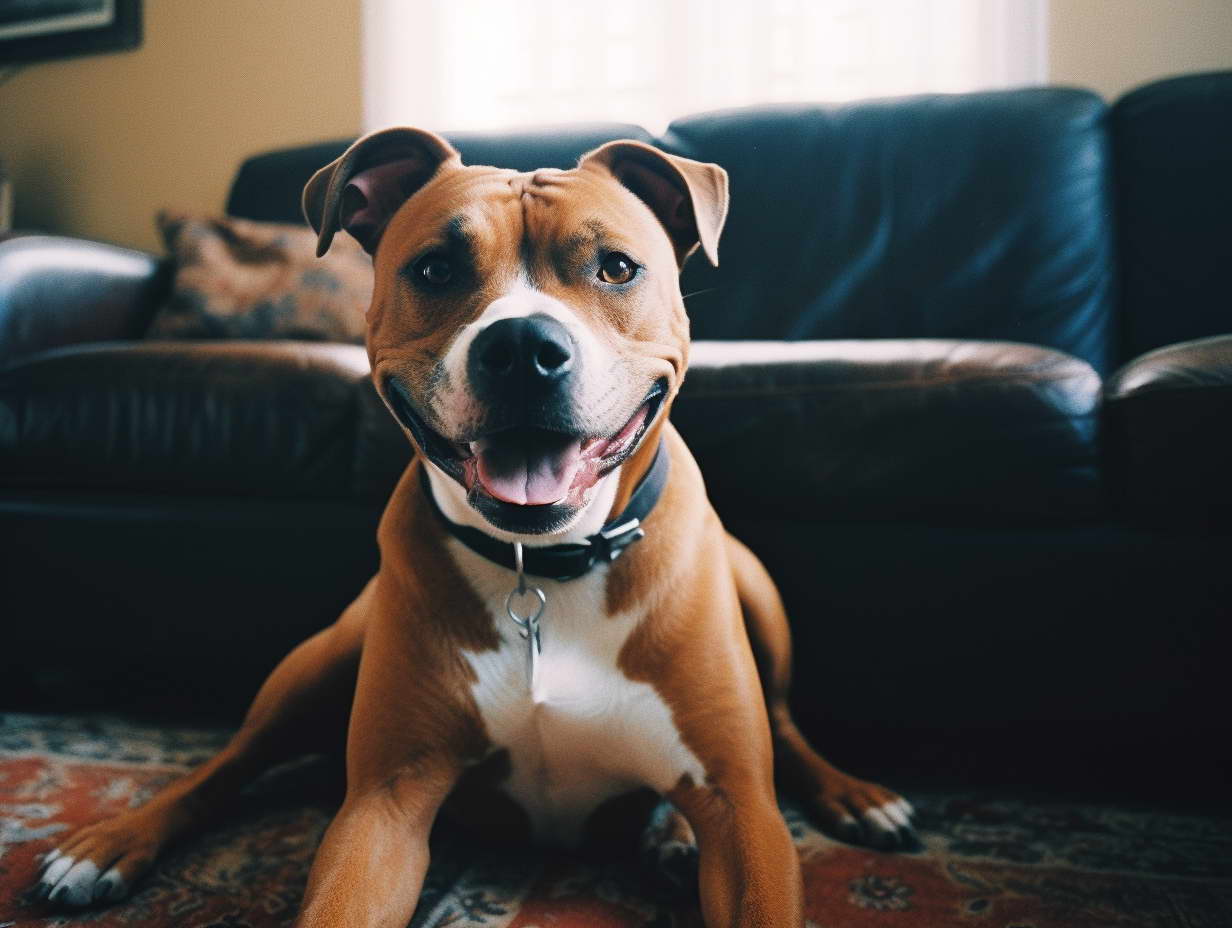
point(573, 560)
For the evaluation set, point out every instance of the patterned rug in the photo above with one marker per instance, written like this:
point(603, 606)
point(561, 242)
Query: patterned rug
point(986, 862)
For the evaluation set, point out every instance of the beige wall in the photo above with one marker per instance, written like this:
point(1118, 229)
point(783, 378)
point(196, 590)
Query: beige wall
point(97, 145)
point(1112, 46)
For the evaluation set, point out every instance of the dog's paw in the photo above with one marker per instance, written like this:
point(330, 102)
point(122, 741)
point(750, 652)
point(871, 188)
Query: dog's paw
point(675, 864)
point(97, 864)
point(669, 855)
point(865, 813)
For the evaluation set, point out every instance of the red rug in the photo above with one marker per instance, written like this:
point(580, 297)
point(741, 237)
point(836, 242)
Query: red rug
point(999, 863)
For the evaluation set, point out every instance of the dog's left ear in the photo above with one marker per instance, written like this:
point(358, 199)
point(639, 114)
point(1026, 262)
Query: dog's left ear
point(361, 191)
point(688, 197)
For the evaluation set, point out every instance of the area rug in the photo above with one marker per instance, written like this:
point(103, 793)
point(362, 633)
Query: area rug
point(987, 861)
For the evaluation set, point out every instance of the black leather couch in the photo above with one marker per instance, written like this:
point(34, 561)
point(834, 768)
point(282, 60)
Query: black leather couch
point(963, 379)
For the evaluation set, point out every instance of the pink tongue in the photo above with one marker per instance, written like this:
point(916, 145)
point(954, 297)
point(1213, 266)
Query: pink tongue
point(529, 472)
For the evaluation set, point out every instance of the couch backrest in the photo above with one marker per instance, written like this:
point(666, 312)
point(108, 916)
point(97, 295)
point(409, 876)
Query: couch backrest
point(1173, 152)
point(979, 216)
point(982, 216)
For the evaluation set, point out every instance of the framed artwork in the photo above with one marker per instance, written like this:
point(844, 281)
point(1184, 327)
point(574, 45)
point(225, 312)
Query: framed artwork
point(33, 30)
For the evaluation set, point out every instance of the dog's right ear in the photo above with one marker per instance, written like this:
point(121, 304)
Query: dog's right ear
point(361, 191)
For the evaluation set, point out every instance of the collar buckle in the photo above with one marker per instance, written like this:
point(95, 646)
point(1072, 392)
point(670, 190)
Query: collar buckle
point(610, 543)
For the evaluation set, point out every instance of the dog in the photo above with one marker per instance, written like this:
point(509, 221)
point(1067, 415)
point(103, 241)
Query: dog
point(561, 633)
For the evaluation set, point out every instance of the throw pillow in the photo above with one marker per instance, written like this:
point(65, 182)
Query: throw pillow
point(236, 278)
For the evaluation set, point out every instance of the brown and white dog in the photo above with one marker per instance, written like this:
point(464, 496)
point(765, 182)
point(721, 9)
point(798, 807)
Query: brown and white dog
point(528, 332)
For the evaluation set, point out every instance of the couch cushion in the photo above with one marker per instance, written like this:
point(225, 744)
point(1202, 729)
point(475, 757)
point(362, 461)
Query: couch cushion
point(239, 279)
point(830, 430)
point(269, 419)
point(980, 216)
point(1169, 416)
point(1173, 148)
point(894, 429)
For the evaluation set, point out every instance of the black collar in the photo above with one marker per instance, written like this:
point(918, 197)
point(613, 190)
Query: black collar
point(570, 561)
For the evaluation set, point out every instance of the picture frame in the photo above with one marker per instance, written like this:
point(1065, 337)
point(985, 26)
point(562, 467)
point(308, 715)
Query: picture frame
point(37, 30)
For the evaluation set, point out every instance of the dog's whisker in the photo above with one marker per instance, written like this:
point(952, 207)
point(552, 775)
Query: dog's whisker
point(701, 292)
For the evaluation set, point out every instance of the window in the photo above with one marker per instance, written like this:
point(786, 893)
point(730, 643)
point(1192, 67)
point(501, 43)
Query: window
point(475, 64)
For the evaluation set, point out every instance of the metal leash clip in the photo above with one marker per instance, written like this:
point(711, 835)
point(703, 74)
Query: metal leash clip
point(528, 625)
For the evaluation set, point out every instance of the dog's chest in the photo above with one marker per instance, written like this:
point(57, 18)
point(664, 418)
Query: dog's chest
point(587, 732)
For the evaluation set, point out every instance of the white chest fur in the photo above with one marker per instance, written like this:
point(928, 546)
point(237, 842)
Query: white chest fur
point(588, 732)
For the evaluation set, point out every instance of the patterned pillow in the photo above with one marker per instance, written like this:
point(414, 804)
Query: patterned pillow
point(235, 278)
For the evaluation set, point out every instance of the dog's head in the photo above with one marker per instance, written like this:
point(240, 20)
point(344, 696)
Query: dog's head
point(527, 330)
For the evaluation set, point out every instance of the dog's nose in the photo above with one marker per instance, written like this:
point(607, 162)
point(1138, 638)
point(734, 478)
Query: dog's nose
point(522, 353)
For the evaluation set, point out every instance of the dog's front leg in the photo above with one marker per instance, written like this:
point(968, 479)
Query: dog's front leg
point(748, 871)
point(410, 736)
point(371, 864)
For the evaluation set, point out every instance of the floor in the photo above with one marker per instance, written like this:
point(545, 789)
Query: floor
point(995, 861)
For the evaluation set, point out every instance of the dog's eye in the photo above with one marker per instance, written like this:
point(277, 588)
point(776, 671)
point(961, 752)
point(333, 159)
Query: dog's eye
point(617, 268)
point(434, 270)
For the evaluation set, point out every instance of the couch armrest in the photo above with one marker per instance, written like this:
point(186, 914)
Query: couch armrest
point(57, 291)
point(271, 418)
point(893, 429)
point(1169, 434)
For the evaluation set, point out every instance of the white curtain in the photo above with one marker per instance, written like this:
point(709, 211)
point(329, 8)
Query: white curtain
point(481, 64)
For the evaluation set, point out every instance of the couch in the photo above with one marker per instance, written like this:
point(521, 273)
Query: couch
point(963, 379)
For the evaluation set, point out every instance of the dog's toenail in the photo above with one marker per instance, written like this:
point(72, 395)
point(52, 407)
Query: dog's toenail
point(57, 869)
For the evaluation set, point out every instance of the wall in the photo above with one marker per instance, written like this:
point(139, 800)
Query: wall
point(97, 145)
point(1112, 46)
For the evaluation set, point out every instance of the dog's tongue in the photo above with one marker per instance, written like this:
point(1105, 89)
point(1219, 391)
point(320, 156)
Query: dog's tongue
point(528, 469)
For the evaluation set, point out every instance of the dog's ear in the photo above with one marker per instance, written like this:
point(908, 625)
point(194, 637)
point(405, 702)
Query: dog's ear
point(361, 191)
point(688, 197)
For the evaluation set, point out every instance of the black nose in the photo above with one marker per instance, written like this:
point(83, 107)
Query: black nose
point(526, 353)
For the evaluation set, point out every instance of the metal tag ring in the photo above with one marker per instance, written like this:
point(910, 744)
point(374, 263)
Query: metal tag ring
point(527, 621)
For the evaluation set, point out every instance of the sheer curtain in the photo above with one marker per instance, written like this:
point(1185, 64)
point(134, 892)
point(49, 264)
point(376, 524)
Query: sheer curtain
point(478, 64)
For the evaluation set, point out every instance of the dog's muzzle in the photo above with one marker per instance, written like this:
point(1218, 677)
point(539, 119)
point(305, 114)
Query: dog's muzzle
point(531, 457)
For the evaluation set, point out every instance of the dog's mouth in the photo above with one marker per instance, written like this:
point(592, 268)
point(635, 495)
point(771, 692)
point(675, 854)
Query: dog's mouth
point(530, 466)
